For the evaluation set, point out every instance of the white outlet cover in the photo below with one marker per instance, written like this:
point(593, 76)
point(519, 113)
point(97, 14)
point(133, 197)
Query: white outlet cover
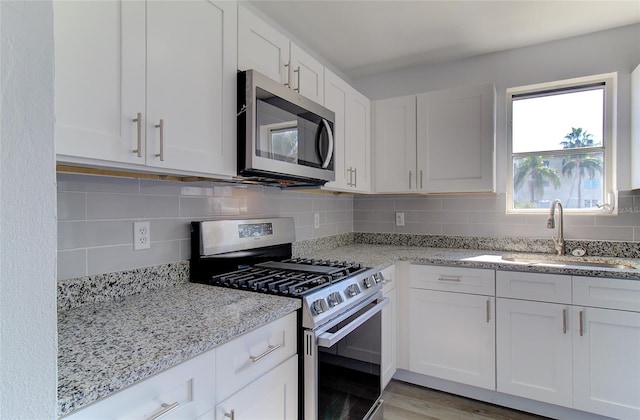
point(141, 235)
point(399, 219)
point(316, 220)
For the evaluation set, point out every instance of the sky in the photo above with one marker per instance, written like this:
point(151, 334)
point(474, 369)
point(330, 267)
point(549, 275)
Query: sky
point(540, 123)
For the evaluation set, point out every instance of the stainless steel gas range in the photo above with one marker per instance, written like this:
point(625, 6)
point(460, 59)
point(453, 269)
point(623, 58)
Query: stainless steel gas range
point(339, 336)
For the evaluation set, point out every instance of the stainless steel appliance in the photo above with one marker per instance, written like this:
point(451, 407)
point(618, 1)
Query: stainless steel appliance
point(283, 137)
point(340, 319)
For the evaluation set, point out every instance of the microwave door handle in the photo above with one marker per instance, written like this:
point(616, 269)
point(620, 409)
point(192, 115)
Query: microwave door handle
point(327, 159)
point(329, 339)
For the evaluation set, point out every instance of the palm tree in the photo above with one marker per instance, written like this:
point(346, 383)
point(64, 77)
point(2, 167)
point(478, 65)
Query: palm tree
point(534, 170)
point(583, 163)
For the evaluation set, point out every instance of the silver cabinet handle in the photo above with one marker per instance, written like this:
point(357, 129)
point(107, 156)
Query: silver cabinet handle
point(350, 182)
point(161, 127)
point(288, 84)
point(581, 321)
point(231, 415)
point(270, 350)
point(297, 71)
point(166, 409)
point(138, 121)
point(421, 186)
point(488, 310)
point(355, 177)
point(410, 174)
point(445, 278)
point(564, 321)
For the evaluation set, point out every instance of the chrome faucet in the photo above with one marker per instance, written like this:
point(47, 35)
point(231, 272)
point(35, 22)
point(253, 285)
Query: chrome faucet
point(551, 224)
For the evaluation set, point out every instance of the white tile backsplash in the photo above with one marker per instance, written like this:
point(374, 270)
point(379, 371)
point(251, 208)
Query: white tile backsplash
point(96, 215)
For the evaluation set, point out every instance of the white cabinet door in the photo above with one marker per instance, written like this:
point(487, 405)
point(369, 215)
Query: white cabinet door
point(307, 74)
point(270, 397)
point(351, 135)
point(358, 141)
point(606, 360)
point(395, 145)
point(191, 86)
point(452, 336)
point(389, 337)
point(456, 140)
point(100, 79)
point(262, 47)
point(635, 128)
point(534, 350)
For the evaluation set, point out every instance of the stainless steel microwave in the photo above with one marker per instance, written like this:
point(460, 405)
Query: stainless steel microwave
point(283, 137)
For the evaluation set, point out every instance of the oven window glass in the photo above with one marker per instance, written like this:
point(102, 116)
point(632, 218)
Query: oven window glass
point(349, 373)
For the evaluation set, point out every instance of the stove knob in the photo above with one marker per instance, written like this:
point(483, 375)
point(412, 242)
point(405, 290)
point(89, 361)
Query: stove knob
point(379, 277)
point(334, 299)
point(352, 290)
point(369, 282)
point(319, 306)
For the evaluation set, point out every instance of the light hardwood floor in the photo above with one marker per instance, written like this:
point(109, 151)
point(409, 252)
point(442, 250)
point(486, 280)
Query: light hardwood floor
point(403, 401)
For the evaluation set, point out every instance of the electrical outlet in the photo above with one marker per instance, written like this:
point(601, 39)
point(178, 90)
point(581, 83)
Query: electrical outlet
point(399, 219)
point(141, 235)
point(316, 220)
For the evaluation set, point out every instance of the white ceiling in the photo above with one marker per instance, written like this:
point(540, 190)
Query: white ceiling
point(362, 37)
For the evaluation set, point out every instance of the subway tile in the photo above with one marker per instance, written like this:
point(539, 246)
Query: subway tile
point(362, 215)
point(418, 204)
point(378, 204)
point(72, 264)
point(598, 232)
point(86, 234)
point(117, 258)
point(125, 206)
point(374, 227)
point(72, 206)
point(94, 183)
point(384, 216)
point(154, 187)
point(474, 203)
point(185, 250)
point(492, 217)
point(304, 233)
point(324, 230)
point(337, 216)
point(436, 217)
point(200, 207)
point(344, 227)
point(421, 228)
point(295, 205)
point(621, 219)
point(527, 231)
point(169, 229)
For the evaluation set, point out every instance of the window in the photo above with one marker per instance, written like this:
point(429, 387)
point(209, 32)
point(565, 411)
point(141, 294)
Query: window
point(561, 146)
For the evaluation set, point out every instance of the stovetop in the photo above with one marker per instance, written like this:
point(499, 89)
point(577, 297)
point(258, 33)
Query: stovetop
point(255, 255)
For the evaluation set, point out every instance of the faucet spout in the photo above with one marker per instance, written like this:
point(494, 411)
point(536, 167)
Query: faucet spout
point(551, 224)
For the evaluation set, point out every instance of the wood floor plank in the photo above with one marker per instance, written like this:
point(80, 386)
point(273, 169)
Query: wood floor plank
point(403, 401)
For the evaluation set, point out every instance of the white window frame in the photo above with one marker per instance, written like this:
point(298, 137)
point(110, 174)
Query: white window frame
point(610, 80)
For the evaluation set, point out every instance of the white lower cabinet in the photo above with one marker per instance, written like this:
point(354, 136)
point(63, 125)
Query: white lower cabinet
point(606, 347)
point(389, 324)
point(533, 350)
point(452, 334)
point(272, 396)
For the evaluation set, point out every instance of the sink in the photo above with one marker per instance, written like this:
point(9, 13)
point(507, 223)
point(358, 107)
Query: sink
point(562, 263)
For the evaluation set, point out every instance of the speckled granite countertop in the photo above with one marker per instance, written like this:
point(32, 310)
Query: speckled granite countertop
point(107, 346)
point(381, 256)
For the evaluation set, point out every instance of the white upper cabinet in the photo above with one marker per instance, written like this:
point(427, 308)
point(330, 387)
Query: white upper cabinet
point(100, 79)
point(635, 128)
point(436, 142)
point(263, 48)
point(351, 135)
point(150, 83)
point(456, 139)
point(395, 145)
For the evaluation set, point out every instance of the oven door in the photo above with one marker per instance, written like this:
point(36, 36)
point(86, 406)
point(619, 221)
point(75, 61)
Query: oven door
point(342, 365)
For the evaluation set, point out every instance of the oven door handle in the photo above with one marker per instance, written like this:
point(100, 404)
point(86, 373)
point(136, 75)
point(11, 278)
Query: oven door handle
point(329, 339)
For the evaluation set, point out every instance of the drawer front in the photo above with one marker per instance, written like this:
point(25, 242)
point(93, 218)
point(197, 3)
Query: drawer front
point(607, 293)
point(251, 355)
point(453, 279)
point(389, 274)
point(554, 288)
point(183, 391)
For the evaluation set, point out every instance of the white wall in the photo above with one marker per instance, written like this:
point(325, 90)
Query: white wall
point(28, 347)
point(602, 52)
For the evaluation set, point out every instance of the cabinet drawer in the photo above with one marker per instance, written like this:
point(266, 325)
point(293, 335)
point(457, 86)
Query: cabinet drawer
point(607, 293)
point(251, 355)
point(554, 288)
point(452, 279)
point(183, 391)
